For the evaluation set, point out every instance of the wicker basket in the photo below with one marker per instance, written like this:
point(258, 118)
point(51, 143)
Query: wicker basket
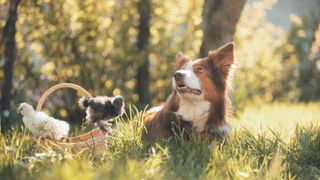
point(94, 141)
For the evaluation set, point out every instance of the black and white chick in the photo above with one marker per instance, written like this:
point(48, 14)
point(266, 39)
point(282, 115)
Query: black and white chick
point(100, 110)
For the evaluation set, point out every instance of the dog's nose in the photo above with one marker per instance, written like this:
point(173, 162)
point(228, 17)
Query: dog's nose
point(178, 75)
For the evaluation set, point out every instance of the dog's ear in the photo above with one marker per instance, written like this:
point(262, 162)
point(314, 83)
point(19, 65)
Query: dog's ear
point(118, 102)
point(181, 59)
point(223, 57)
point(85, 102)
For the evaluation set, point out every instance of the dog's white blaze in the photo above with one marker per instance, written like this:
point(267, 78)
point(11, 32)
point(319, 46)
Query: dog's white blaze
point(192, 108)
point(191, 79)
point(195, 112)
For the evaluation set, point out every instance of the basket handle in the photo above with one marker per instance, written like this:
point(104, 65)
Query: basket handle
point(78, 88)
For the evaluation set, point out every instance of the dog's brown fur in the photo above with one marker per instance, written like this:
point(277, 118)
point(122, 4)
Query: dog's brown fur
point(214, 81)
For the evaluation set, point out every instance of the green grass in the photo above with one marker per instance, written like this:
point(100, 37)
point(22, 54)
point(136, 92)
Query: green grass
point(278, 141)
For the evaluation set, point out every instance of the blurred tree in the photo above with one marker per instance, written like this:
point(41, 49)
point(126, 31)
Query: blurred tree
point(176, 26)
point(9, 46)
point(261, 74)
point(83, 42)
point(143, 74)
point(315, 48)
point(220, 18)
point(303, 34)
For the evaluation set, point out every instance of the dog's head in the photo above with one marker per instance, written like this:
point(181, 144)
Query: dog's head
point(206, 78)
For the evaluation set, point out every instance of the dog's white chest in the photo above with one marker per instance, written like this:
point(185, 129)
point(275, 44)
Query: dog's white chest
point(195, 112)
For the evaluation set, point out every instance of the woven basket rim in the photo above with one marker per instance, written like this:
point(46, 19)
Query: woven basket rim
point(56, 87)
point(84, 137)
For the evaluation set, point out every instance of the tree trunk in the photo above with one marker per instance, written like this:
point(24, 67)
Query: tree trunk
point(143, 74)
point(220, 18)
point(9, 33)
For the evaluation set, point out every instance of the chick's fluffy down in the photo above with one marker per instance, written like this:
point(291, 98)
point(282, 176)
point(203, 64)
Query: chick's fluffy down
point(41, 124)
point(51, 127)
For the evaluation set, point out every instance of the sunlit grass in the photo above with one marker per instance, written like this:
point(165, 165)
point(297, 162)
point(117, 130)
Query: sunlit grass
point(281, 118)
point(269, 142)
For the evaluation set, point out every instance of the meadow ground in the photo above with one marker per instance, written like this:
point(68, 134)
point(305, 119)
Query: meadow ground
point(278, 141)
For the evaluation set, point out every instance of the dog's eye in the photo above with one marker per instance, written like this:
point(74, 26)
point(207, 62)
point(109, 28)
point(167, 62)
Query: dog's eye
point(199, 70)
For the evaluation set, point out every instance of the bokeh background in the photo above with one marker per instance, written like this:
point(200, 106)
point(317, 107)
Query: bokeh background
point(127, 47)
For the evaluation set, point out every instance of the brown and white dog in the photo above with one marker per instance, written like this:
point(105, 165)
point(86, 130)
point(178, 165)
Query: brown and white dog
point(200, 99)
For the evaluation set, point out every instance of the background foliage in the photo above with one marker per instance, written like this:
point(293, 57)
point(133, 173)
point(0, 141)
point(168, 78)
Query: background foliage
point(93, 44)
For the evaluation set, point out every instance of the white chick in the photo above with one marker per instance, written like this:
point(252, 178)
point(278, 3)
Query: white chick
point(42, 125)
